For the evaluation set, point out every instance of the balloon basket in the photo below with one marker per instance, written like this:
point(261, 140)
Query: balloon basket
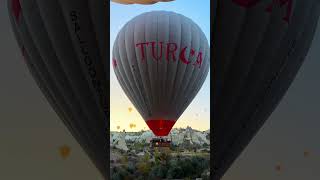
point(160, 142)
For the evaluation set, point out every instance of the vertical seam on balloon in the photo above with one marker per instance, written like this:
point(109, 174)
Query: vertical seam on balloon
point(195, 73)
point(137, 85)
point(200, 79)
point(32, 42)
point(122, 71)
point(178, 89)
point(224, 73)
point(147, 70)
point(159, 70)
point(150, 64)
point(122, 81)
point(161, 88)
point(173, 91)
point(137, 80)
point(134, 102)
point(201, 76)
point(182, 93)
point(49, 74)
point(117, 71)
point(96, 99)
point(242, 86)
point(31, 67)
point(238, 98)
point(41, 57)
point(167, 109)
point(140, 73)
point(77, 96)
point(158, 84)
point(187, 68)
point(173, 79)
point(165, 63)
point(99, 63)
point(97, 41)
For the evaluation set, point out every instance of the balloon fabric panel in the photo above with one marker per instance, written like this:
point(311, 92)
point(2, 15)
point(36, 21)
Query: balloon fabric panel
point(63, 51)
point(259, 48)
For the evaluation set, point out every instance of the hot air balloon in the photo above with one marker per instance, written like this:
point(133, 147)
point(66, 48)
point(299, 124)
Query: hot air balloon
point(161, 60)
point(64, 151)
point(63, 43)
point(140, 1)
point(259, 46)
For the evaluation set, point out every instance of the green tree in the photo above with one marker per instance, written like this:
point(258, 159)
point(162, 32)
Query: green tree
point(157, 172)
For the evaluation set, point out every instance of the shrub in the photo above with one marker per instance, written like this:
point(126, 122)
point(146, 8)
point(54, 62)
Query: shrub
point(119, 174)
point(159, 171)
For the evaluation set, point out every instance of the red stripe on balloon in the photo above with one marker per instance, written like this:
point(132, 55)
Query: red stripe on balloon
point(16, 9)
point(23, 51)
point(114, 62)
point(160, 127)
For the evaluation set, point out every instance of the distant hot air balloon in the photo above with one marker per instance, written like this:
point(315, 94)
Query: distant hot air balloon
point(132, 125)
point(64, 151)
point(259, 46)
point(64, 45)
point(161, 60)
point(278, 167)
point(306, 153)
point(130, 109)
point(140, 1)
point(118, 127)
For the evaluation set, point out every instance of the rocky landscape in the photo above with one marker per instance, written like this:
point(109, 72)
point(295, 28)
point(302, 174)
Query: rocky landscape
point(188, 157)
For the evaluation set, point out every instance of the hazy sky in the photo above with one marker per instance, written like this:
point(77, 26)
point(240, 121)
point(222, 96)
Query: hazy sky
point(197, 114)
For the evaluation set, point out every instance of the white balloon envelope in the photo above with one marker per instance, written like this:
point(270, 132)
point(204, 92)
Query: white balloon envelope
point(161, 59)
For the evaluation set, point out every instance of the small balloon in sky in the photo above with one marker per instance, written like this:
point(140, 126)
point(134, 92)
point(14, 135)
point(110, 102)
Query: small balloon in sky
point(130, 109)
point(278, 167)
point(64, 151)
point(118, 127)
point(306, 153)
point(132, 125)
point(140, 1)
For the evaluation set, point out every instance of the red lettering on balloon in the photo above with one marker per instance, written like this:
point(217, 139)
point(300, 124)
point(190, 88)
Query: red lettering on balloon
point(182, 56)
point(251, 3)
point(192, 52)
point(142, 48)
point(114, 63)
point(154, 49)
point(172, 51)
point(288, 3)
point(199, 60)
point(16, 9)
